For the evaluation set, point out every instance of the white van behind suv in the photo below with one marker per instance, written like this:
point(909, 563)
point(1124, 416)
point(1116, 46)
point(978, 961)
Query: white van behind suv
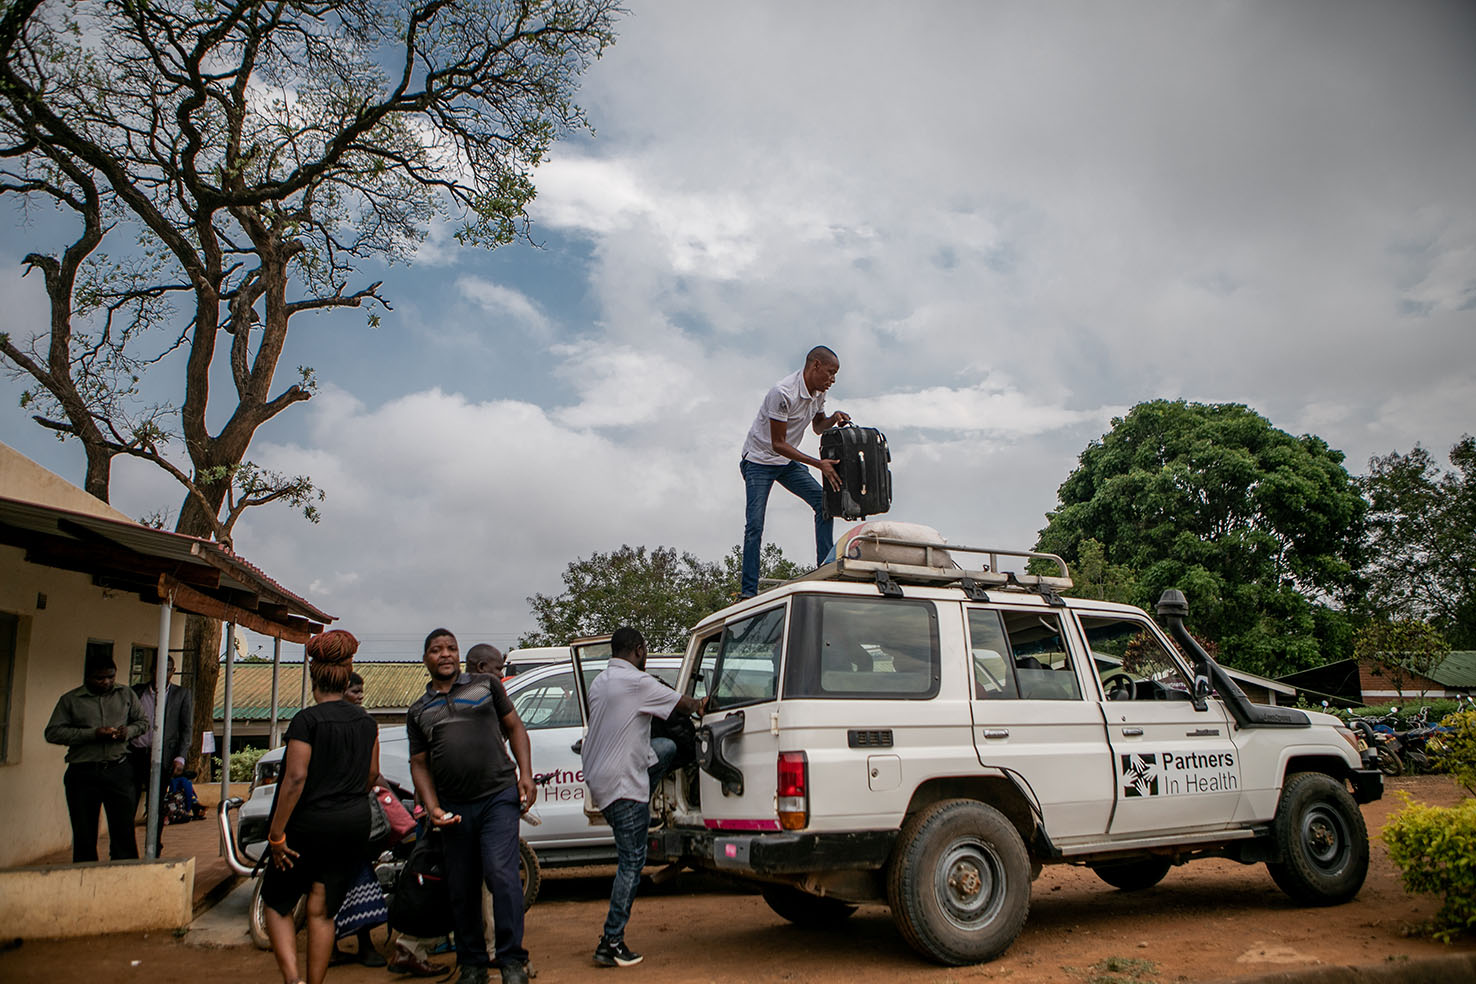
point(927, 735)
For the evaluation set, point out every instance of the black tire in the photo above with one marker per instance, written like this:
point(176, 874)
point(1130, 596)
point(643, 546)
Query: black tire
point(1323, 841)
point(1134, 875)
point(959, 882)
point(528, 873)
point(1389, 762)
point(1417, 762)
point(256, 917)
point(806, 910)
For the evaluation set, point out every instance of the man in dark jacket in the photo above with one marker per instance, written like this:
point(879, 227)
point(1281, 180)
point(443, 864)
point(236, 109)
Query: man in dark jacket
point(475, 793)
point(96, 722)
point(178, 728)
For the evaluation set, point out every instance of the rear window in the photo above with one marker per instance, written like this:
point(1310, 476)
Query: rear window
point(747, 670)
point(859, 647)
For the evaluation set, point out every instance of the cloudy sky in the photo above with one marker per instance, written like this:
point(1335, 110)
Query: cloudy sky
point(1012, 220)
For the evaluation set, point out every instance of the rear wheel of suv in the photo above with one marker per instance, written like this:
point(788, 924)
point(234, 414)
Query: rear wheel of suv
point(1323, 841)
point(804, 909)
point(959, 882)
point(528, 873)
point(1134, 875)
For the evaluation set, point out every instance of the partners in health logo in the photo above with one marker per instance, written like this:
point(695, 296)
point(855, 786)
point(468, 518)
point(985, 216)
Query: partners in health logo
point(1139, 774)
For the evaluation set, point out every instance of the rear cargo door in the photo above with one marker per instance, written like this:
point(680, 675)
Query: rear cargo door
point(743, 694)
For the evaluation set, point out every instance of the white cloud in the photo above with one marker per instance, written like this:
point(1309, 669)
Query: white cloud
point(506, 303)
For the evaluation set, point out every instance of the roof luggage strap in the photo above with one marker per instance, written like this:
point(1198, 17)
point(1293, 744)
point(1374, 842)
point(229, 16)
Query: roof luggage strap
point(973, 589)
point(888, 587)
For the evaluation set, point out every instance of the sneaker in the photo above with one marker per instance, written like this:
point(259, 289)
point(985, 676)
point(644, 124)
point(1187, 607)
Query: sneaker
point(472, 975)
point(615, 954)
point(514, 972)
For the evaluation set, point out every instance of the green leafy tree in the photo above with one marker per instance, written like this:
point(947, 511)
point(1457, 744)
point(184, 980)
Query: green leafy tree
point(1400, 650)
point(661, 592)
point(1422, 539)
point(1262, 530)
point(248, 158)
point(1093, 577)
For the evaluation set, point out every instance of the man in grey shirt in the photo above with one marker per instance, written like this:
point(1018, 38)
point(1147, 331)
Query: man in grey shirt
point(96, 721)
point(622, 763)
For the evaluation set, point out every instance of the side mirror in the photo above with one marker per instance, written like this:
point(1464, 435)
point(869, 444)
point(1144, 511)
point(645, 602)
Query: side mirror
point(1201, 693)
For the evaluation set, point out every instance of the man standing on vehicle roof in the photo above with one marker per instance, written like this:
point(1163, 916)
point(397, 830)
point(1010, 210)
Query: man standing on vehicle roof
point(771, 454)
point(622, 764)
point(466, 781)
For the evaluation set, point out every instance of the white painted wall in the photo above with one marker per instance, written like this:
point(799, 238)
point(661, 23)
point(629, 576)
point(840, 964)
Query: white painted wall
point(50, 648)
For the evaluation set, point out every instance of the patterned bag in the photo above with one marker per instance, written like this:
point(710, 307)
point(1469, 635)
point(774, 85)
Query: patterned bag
point(363, 907)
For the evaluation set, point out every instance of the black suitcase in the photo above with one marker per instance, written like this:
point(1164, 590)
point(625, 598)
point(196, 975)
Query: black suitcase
point(865, 471)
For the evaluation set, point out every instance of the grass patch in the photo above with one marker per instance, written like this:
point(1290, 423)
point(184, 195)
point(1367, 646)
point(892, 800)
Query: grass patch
point(1122, 970)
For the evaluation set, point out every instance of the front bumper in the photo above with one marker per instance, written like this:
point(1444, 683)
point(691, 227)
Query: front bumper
point(773, 853)
point(1368, 785)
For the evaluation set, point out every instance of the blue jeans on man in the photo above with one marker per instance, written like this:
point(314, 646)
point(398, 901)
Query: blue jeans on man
point(483, 848)
point(630, 822)
point(757, 481)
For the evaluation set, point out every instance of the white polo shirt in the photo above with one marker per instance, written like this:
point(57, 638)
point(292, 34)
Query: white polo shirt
point(617, 750)
point(790, 401)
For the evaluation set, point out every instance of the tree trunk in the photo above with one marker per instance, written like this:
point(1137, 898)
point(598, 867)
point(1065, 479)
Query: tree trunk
point(202, 659)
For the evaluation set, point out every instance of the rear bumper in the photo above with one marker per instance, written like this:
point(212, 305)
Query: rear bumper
point(1368, 785)
point(773, 853)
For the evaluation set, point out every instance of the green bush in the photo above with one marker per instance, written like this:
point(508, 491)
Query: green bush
point(1435, 850)
point(1455, 750)
point(243, 763)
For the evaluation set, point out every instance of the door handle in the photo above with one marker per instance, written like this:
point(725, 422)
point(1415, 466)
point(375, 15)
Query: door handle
point(1133, 732)
point(996, 732)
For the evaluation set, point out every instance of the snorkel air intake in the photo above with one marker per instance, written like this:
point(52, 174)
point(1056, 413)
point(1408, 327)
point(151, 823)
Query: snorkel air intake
point(1173, 608)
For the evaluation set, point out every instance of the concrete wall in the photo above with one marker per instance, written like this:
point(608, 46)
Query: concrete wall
point(23, 479)
point(92, 899)
point(50, 646)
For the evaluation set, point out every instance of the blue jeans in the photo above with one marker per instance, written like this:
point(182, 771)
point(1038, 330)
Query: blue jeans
point(630, 821)
point(483, 847)
point(757, 481)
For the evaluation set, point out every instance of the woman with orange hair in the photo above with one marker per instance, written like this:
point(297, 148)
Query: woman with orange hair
point(320, 820)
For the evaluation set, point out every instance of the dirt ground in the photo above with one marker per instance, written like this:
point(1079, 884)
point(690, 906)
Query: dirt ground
point(1207, 921)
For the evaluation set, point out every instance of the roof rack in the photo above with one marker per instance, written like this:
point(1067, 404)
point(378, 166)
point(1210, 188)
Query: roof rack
point(889, 575)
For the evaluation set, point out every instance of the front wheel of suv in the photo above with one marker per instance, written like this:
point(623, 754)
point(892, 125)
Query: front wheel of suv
point(959, 882)
point(1323, 841)
point(804, 909)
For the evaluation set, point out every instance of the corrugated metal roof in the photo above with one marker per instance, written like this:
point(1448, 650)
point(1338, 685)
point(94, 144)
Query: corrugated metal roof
point(1456, 670)
point(387, 686)
point(112, 548)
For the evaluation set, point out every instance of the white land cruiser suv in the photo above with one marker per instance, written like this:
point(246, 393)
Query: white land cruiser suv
point(927, 734)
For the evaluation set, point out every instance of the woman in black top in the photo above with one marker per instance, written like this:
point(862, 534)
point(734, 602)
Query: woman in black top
point(320, 822)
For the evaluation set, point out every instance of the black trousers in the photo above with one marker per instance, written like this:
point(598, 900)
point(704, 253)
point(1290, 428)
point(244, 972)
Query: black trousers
point(139, 759)
point(107, 786)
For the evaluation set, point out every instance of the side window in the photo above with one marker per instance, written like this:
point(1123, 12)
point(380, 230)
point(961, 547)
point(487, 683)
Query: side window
point(549, 703)
point(1131, 661)
point(706, 663)
point(844, 646)
point(994, 671)
point(747, 669)
point(1038, 650)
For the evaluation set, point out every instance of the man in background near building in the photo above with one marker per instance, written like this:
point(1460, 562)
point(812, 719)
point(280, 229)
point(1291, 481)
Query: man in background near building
point(771, 454)
point(96, 722)
point(476, 794)
point(622, 764)
point(178, 729)
point(486, 658)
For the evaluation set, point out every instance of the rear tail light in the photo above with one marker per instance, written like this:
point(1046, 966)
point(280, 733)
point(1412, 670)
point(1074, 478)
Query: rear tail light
point(794, 790)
